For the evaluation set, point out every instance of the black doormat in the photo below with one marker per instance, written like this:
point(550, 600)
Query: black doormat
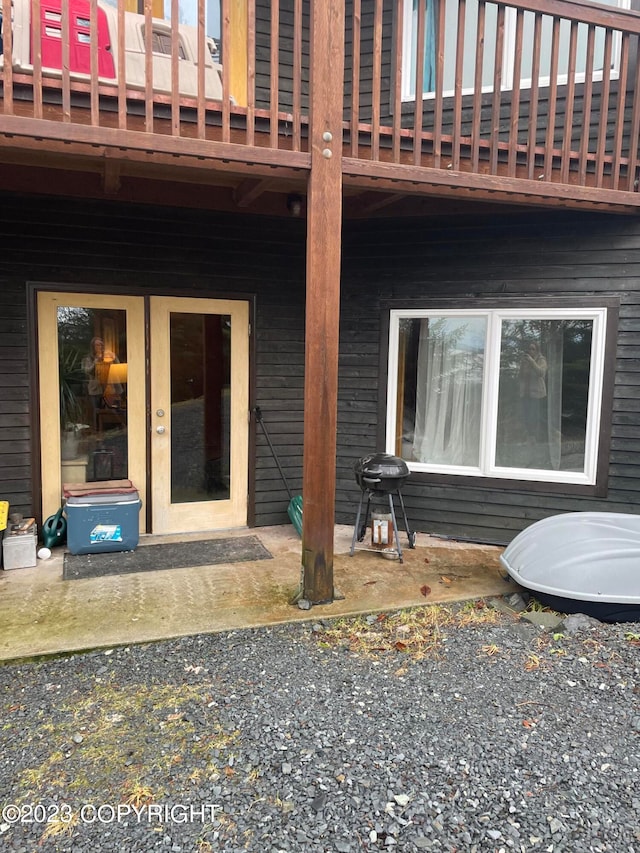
point(178, 555)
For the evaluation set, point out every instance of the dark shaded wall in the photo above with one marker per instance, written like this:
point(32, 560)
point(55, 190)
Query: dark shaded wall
point(156, 250)
point(570, 255)
point(196, 253)
point(15, 412)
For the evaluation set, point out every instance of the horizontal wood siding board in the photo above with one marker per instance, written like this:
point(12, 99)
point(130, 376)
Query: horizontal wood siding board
point(17, 473)
point(285, 55)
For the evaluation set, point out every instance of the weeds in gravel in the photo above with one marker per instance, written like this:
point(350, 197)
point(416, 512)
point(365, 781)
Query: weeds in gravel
point(532, 662)
point(476, 613)
point(536, 606)
point(416, 632)
point(137, 794)
point(96, 743)
point(57, 827)
point(557, 651)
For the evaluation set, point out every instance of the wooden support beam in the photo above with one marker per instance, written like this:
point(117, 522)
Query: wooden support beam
point(96, 140)
point(485, 187)
point(249, 190)
point(111, 177)
point(324, 225)
point(371, 202)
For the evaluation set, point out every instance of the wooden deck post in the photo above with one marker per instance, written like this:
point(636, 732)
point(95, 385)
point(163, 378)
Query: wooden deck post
point(324, 226)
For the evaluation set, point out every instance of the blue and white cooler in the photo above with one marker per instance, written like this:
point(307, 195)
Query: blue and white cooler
point(103, 519)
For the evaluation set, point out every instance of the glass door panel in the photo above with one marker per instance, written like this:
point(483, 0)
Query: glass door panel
point(200, 350)
point(199, 405)
point(92, 392)
point(92, 365)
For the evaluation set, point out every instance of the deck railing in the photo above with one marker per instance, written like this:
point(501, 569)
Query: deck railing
point(529, 88)
point(536, 89)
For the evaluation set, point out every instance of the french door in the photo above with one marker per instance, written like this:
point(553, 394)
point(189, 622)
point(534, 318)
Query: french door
point(199, 413)
point(169, 412)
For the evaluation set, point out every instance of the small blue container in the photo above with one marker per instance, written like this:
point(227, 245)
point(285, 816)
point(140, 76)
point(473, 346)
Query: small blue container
point(99, 523)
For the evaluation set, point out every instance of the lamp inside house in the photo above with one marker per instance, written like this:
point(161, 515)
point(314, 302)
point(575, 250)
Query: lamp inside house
point(117, 379)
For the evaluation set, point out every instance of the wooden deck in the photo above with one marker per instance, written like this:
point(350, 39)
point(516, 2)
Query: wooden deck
point(551, 128)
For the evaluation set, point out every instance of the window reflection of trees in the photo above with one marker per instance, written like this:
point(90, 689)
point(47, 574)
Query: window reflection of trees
point(565, 343)
point(566, 346)
point(73, 324)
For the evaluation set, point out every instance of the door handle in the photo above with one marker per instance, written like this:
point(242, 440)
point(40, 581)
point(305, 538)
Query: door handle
point(160, 430)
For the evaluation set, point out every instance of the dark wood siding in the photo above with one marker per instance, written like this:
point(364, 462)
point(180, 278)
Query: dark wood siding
point(153, 250)
point(285, 47)
point(502, 259)
point(15, 433)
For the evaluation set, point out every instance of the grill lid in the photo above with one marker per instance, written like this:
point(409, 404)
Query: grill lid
point(381, 472)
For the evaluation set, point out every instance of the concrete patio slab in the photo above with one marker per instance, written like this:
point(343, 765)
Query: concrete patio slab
point(42, 614)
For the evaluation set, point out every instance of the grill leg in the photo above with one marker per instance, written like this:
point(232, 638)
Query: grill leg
point(410, 534)
point(363, 526)
point(357, 524)
point(395, 526)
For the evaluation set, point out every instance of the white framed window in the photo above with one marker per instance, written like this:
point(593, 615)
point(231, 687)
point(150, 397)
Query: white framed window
point(503, 393)
point(431, 7)
point(161, 42)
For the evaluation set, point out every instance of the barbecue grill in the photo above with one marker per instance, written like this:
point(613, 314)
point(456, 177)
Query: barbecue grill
point(380, 477)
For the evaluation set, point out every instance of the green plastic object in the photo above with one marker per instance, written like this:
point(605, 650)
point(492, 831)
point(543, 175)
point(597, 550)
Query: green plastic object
point(294, 511)
point(54, 530)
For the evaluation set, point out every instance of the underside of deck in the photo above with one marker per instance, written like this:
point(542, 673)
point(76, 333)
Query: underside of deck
point(125, 164)
point(532, 103)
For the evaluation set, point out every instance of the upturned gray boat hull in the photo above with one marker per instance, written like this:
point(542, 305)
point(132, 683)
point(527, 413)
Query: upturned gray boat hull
point(581, 562)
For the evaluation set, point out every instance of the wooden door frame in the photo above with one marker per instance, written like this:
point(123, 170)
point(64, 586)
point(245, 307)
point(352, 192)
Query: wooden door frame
point(78, 292)
point(172, 520)
point(47, 300)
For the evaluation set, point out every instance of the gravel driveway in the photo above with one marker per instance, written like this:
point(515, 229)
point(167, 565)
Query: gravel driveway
point(450, 729)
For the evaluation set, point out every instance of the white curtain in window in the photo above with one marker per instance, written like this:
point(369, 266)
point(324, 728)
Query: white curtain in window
point(449, 392)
